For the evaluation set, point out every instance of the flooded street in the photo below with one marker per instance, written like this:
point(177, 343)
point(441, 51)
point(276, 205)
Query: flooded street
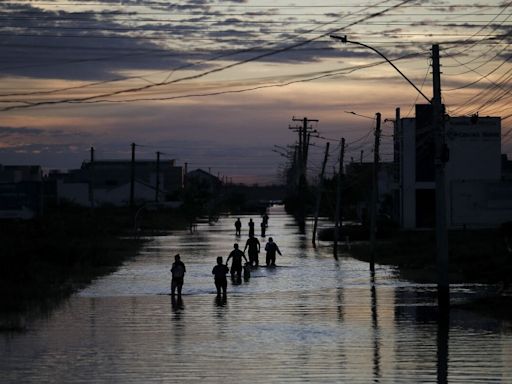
point(311, 319)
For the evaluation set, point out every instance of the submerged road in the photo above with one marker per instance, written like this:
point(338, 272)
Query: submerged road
point(311, 319)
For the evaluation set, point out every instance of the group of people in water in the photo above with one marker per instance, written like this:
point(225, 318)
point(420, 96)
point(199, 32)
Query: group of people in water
point(263, 226)
point(253, 248)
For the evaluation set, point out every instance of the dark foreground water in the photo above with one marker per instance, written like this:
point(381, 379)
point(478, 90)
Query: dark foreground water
point(311, 319)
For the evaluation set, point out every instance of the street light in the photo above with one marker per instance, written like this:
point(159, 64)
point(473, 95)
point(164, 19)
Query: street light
point(358, 114)
point(344, 40)
point(443, 287)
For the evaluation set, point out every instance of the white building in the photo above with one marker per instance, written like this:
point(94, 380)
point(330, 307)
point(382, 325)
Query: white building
point(476, 194)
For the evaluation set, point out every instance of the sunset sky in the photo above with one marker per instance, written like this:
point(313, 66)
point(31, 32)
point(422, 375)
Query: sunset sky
point(217, 83)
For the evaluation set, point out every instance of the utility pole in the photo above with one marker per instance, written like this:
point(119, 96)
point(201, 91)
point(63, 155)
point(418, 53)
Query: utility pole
point(338, 221)
point(185, 176)
point(361, 156)
point(443, 287)
point(157, 187)
point(303, 140)
point(375, 193)
point(319, 193)
point(399, 163)
point(91, 179)
point(132, 178)
point(302, 182)
point(298, 155)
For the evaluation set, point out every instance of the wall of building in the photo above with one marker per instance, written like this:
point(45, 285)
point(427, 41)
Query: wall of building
point(120, 196)
point(480, 203)
point(475, 155)
point(475, 148)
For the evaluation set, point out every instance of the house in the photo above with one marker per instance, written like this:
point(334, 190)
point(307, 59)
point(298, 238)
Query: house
point(204, 181)
point(476, 195)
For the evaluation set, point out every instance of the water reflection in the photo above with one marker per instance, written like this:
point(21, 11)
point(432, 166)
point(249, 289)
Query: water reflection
point(311, 319)
point(443, 329)
point(375, 327)
point(177, 303)
point(221, 301)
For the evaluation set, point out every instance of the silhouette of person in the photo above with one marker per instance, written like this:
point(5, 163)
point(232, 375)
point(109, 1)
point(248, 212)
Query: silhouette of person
point(263, 228)
point(238, 227)
point(236, 265)
point(265, 219)
point(178, 273)
point(254, 248)
point(219, 272)
point(271, 248)
point(251, 227)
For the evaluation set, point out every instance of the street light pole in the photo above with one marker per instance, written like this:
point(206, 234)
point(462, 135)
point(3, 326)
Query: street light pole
point(443, 287)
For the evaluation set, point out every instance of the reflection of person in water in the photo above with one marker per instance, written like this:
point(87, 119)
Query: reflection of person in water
point(178, 273)
point(236, 265)
point(238, 227)
point(254, 248)
point(219, 272)
point(251, 227)
point(271, 248)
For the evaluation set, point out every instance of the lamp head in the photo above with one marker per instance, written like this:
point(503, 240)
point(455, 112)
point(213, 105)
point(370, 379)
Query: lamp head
point(342, 38)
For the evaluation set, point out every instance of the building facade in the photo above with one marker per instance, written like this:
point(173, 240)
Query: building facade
point(474, 187)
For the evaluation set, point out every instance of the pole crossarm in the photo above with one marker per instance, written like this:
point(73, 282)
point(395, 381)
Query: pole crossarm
point(344, 39)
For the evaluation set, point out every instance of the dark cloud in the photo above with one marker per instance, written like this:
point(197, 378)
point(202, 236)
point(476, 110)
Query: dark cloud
point(10, 135)
point(81, 46)
point(49, 156)
point(9, 131)
point(99, 45)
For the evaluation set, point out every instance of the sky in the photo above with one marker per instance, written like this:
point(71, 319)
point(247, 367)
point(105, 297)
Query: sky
point(217, 84)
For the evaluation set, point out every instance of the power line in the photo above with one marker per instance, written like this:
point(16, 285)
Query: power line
point(222, 68)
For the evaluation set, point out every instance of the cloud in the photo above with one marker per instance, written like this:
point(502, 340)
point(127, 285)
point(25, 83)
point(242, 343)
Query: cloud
point(80, 46)
point(104, 44)
point(19, 136)
point(11, 131)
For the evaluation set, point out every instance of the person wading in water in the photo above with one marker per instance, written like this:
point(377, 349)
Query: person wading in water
point(271, 248)
point(236, 265)
point(251, 227)
point(178, 273)
point(254, 248)
point(219, 272)
point(238, 227)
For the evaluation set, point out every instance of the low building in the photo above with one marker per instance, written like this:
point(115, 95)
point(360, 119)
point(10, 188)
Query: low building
point(109, 182)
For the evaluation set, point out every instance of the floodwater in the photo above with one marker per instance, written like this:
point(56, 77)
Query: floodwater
point(312, 319)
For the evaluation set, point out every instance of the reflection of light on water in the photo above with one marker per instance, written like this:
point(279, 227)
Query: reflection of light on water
point(312, 319)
